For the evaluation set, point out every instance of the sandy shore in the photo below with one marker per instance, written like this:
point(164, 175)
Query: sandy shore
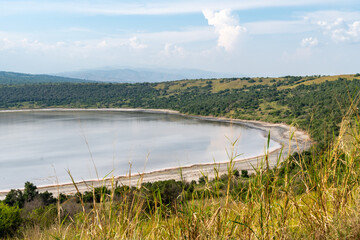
point(278, 132)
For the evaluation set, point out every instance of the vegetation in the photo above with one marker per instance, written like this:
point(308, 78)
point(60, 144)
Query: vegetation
point(21, 78)
point(314, 194)
point(10, 220)
point(317, 107)
point(310, 195)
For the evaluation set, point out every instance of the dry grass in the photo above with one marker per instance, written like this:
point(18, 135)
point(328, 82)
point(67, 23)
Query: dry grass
point(318, 80)
point(318, 201)
point(238, 83)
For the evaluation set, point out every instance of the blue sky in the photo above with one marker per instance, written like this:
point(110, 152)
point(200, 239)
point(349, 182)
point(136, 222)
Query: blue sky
point(251, 37)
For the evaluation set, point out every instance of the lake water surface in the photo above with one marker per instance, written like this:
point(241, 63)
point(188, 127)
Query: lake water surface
point(40, 146)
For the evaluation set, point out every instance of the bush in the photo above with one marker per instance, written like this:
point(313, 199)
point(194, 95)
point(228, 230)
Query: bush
point(43, 217)
point(10, 220)
point(47, 198)
point(15, 198)
point(244, 174)
point(168, 190)
point(99, 192)
point(30, 191)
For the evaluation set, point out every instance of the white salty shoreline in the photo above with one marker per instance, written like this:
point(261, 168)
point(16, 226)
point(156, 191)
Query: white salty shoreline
point(280, 133)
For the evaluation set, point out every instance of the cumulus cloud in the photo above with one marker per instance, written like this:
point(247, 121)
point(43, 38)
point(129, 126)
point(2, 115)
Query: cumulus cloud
point(342, 31)
point(135, 43)
point(309, 42)
point(226, 26)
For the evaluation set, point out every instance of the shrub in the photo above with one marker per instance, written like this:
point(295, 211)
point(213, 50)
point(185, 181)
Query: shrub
point(43, 217)
point(47, 198)
point(14, 198)
point(168, 190)
point(244, 174)
point(10, 220)
point(203, 179)
point(30, 191)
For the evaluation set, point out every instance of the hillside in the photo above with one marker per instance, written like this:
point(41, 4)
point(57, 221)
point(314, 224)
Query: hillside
point(314, 103)
point(22, 78)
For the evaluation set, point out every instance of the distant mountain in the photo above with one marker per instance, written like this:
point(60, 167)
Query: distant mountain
point(133, 75)
point(22, 78)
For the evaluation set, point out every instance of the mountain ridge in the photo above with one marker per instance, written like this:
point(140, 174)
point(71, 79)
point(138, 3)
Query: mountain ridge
point(138, 75)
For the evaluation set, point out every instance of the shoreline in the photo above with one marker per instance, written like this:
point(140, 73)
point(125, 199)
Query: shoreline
point(280, 133)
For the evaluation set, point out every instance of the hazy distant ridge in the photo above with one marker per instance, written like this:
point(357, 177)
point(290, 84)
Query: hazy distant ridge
point(127, 75)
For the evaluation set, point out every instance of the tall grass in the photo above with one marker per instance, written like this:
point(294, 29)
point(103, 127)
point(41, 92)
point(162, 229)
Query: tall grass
point(311, 195)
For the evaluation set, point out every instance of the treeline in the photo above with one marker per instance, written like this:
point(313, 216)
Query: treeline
point(317, 108)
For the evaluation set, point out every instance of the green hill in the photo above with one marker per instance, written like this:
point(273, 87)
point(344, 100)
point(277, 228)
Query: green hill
point(22, 78)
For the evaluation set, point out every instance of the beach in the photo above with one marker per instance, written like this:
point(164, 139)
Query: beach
point(280, 133)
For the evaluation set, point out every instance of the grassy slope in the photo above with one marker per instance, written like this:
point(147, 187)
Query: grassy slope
point(314, 195)
point(311, 196)
point(311, 105)
point(238, 83)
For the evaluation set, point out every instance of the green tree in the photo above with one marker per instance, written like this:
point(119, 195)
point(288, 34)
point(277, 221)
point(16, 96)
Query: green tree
point(15, 198)
point(30, 191)
point(10, 220)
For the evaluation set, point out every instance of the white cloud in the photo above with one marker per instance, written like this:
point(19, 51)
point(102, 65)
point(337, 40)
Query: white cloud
point(226, 26)
point(309, 42)
point(340, 26)
point(341, 31)
point(135, 43)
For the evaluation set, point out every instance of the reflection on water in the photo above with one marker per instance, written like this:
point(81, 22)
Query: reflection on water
point(35, 145)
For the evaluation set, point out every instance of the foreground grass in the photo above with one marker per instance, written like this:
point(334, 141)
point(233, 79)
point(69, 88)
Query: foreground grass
point(313, 195)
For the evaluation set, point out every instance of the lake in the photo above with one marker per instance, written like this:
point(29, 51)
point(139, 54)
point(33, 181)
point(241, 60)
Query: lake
point(40, 146)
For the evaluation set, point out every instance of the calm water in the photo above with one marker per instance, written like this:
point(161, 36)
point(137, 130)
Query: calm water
point(37, 146)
